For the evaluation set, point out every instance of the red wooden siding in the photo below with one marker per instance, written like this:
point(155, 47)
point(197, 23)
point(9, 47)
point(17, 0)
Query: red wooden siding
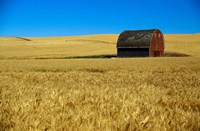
point(157, 44)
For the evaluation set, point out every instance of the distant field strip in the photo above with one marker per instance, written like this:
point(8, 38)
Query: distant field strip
point(87, 46)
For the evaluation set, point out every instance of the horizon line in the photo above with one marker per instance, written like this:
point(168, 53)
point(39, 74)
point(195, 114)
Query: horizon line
point(90, 35)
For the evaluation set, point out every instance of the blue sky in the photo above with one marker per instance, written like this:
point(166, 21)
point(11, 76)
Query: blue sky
point(83, 17)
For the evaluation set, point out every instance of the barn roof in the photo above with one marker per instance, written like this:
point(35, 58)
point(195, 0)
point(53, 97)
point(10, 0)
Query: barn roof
point(135, 38)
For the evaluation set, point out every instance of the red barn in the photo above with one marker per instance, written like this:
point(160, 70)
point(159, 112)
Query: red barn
point(141, 43)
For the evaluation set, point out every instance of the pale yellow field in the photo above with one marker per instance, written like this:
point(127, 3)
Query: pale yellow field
point(61, 47)
point(15, 48)
point(43, 88)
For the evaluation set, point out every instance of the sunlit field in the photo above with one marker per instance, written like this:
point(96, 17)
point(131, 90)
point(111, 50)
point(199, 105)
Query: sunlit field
point(78, 83)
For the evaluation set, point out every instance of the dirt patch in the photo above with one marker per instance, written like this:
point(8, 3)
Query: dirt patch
point(21, 38)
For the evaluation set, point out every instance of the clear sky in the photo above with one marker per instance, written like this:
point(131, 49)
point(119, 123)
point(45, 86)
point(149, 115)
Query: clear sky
point(83, 17)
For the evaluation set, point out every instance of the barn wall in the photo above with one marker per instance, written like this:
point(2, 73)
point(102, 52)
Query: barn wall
point(133, 52)
point(157, 44)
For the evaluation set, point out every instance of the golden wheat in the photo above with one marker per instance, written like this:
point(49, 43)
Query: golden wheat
point(98, 94)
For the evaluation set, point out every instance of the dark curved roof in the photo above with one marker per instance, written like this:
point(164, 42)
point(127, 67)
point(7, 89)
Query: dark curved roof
point(135, 38)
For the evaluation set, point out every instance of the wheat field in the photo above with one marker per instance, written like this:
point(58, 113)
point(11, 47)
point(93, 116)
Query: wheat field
point(71, 83)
